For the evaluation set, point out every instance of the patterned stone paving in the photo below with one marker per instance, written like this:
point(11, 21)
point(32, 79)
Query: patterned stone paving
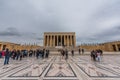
point(60, 70)
point(79, 67)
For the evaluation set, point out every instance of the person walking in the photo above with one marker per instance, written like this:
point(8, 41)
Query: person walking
point(6, 61)
point(79, 51)
point(72, 53)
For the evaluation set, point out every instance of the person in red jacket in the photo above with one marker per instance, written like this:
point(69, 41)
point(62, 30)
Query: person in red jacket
point(3, 53)
point(7, 55)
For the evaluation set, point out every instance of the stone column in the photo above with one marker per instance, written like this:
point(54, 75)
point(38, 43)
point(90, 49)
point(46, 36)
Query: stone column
point(67, 40)
point(50, 40)
point(53, 40)
point(70, 41)
point(61, 40)
point(1, 46)
point(64, 40)
point(116, 47)
point(57, 40)
point(44, 40)
point(74, 41)
point(47, 40)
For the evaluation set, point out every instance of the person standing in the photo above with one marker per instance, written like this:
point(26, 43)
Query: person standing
point(42, 54)
point(79, 51)
point(3, 53)
point(82, 51)
point(46, 53)
point(6, 61)
point(21, 55)
point(66, 53)
point(72, 53)
point(0, 54)
point(98, 58)
point(17, 54)
point(37, 54)
point(14, 54)
point(93, 55)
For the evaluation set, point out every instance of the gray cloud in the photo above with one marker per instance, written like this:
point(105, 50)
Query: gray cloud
point(31, 18)
point(110, 34)
point(39, 38)
point(11, 31)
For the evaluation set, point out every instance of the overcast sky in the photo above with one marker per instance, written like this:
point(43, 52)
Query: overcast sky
point(25, 21)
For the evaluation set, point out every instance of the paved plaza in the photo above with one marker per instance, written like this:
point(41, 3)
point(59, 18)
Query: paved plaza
point(79, 67)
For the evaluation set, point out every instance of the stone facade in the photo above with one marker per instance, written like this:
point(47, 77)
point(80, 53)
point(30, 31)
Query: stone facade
point(108, 46)
point(4, 45)
point(11, 46)
point(53, 39)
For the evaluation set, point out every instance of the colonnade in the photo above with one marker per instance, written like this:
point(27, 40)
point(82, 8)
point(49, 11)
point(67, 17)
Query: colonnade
point(59, 40)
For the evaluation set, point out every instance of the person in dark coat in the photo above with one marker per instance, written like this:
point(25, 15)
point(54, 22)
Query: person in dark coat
point(82, 51)
point(0, 54)
point(66, 53)
point(17, 54)
point(37, 54)
point(14, 54)
point(7, 55)
point(72, 53)
point(21, 55)
point(43, 53)
point(48, 53)
point(79, 51)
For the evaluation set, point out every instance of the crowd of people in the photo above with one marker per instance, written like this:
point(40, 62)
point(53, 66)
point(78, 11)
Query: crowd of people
point(44, 53)
point(96, 55)
point(19, 54)
point(65, 52)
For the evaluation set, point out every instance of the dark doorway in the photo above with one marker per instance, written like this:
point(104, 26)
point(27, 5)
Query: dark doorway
point(55, 40)
point(114, 48)
point(62, 40)
point(4, 47)
point(59, 40)
point(0, 46)
point(118, 47)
